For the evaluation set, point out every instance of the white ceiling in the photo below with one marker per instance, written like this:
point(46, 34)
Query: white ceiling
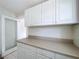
point(18, 6)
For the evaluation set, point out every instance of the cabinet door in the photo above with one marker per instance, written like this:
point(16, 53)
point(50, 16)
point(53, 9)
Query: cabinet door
point(48, 12)
point(27, 18)
point(42, 57)
point(63, 57)
point(35, 13)
point(25, 54)
point(66, 11)
point(46, 53)
point(27, 47)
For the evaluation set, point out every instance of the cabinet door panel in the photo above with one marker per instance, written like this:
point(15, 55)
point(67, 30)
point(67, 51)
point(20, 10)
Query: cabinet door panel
point(42, 57)
point(35, 14)
point(25, 54)
point(46, 53)
point(65, 12)
point(63, 57)
point(27, 18)
point(27, 47)
point(48, 12)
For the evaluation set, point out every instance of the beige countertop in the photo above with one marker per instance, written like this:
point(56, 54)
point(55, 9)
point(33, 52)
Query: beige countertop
point(57, 47)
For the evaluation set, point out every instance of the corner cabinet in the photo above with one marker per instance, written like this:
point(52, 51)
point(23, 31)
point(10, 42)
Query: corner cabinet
point(53, 12)
point(66, 11)
point(29, 52)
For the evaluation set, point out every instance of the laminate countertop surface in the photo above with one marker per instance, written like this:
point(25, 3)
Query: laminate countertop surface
point(57, 47)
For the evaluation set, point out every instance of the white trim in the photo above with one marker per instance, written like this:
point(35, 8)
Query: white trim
point(3, 34)
point(12, 18)
point(9, 51)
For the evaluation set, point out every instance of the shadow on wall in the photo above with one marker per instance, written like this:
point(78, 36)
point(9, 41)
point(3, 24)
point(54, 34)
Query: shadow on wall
point(21, 29)
point(76, 35)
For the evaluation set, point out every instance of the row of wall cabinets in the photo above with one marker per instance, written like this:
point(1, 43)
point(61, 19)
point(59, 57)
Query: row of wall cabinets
point(52, 12)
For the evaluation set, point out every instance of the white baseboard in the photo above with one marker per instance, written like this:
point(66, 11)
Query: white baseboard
point(9, 51)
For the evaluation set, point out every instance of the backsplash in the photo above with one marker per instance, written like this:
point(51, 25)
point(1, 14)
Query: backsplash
point(58, 31)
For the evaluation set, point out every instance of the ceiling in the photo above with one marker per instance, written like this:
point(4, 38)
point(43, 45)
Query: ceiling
point(18, 6)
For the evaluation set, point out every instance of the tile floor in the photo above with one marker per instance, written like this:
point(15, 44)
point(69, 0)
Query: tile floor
point(11, 56)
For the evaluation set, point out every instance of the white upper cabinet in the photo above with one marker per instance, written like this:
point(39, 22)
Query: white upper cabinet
point(48, 12)
point(42, 14)
point(66, 11)
point(27, 18)
point(36, 15)
point(33, 16)
point(53, 12)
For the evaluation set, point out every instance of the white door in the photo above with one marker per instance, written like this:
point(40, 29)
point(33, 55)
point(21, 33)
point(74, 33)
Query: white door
point(63, 57)
point(35, 13)
point(10, 33)
point(48, 12)
point(65, 11)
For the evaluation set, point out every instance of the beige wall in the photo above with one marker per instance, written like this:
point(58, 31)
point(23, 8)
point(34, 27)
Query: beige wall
point(63, 31)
